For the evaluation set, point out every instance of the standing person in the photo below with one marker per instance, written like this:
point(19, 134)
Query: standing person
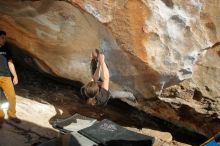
point(6, 82)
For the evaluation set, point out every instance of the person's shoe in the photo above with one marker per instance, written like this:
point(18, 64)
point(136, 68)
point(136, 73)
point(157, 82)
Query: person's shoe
point(1, 121)
point(15, 120)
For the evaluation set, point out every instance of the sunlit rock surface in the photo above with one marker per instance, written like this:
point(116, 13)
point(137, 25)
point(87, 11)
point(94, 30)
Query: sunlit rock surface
point(35, 126)
point(148, 45)
point(207, 71)
point(57, 35)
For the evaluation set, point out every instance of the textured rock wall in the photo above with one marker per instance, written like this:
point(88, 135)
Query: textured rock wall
point(179, 40)
point(169, 35)
point(58, 36)
point(148, 45)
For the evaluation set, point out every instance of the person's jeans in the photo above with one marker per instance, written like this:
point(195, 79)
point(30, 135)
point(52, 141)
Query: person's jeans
point(8, 88)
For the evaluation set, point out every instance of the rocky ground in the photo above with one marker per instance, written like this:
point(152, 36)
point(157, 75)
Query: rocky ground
point(40, 101)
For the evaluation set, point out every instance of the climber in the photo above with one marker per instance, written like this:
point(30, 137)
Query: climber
point(6, 69)
point(96, 92)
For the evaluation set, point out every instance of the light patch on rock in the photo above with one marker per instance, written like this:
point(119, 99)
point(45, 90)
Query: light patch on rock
point(95, 12)
point(181, 36)
point(164, 136)
point(35, 112)
point(43, 20)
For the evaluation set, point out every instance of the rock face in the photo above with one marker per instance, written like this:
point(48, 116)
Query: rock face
point(55, 34)
point(148, 45)
point(207, 71)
